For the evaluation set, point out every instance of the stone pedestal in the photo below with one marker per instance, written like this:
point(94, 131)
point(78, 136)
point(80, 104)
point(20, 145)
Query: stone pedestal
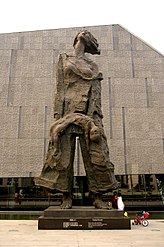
point(80, 217)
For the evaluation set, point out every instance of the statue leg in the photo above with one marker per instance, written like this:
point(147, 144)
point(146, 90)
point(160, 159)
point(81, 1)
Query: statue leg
point(66, 200)
point(99, 170)
point(68, 160)
point(57, 173)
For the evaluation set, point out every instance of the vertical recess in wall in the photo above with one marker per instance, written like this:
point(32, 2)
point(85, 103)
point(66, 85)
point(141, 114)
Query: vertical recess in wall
point(21, 42)
point(115, 38)
point(147, 93)
point(45, 130)
point(124, 138)
point(11, 67)
point(78, 155)
point(54, 63)
point(132, 58)
point(110, 109)
point(19, 122)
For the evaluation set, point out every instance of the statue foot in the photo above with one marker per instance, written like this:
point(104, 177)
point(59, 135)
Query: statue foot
point(67, 201)
point(99, 203)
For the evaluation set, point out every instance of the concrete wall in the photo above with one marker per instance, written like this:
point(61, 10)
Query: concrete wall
point(132, 98)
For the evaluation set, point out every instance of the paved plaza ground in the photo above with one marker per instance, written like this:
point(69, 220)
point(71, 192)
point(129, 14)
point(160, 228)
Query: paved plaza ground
point(25, 233)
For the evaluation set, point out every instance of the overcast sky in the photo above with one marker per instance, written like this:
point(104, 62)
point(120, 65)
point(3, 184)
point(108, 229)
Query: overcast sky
point(143, 18)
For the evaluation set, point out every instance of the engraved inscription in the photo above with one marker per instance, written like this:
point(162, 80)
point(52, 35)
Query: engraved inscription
point(96, 222)
point(71, 223)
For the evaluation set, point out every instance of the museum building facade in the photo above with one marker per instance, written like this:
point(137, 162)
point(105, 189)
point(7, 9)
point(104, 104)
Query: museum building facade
point(132, 105)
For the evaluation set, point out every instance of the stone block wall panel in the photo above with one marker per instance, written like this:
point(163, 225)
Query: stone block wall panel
point(132, 99)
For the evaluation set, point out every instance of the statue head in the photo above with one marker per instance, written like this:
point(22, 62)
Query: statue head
point(94, 134)
point(91, 45)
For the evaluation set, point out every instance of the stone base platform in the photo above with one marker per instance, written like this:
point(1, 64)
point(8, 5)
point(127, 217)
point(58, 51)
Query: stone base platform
point(85, 218)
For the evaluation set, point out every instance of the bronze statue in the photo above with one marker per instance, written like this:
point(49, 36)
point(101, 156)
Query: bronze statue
point(77, 112)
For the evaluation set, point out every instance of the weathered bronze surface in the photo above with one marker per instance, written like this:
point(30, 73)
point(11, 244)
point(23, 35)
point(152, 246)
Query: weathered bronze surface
point(77, 112)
